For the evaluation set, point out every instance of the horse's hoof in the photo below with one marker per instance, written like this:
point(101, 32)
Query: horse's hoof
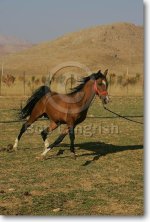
point(9, 148)
point(15, 150)
point(74, 156)
point(41, 158)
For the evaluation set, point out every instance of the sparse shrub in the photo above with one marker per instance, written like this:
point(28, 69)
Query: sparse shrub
point(43, 79)
point(37, 81)
point(120, 79)
point(21, 78)
point(138, 77)
point(33, 79)
point(112, 78)
point(8, 79)
point(32, 83)
point(132, 81)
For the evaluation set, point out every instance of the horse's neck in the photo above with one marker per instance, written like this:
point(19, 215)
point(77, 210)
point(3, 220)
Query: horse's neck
point(89, 94)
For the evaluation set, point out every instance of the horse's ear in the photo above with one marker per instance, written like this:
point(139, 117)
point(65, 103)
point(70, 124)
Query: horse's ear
point(106, 72)
point(99, 71)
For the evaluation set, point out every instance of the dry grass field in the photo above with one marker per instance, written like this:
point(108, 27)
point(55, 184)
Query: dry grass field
point(105, 179)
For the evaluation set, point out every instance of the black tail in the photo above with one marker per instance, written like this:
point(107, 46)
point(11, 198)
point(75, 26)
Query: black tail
point(37, 95)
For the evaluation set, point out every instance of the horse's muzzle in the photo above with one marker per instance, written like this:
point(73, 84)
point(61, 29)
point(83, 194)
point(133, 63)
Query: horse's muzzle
point(105, 99)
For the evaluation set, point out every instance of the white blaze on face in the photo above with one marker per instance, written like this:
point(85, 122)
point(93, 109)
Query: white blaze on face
point(104, 82)
point(107, 99)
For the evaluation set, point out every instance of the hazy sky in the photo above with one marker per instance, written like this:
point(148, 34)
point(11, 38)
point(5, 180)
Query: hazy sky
point(40, 20)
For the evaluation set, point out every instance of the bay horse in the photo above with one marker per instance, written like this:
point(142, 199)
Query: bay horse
point(70, 109)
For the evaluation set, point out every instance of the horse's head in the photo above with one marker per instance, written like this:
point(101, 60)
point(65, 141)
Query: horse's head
point(101, 86)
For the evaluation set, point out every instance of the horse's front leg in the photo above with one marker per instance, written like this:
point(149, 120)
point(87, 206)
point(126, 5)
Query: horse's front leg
point(72, 138)
point(57, 141)
point(45, 133)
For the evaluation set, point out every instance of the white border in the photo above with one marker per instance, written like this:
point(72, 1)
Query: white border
point(146, 217)
point(147, 110)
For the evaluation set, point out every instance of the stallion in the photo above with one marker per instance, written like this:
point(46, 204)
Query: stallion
point(69, 109)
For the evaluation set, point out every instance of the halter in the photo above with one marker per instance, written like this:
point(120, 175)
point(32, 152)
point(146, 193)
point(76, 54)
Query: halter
point(98, 92)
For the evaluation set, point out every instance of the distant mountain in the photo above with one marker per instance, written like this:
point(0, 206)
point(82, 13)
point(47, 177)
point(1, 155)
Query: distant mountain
point(10, 44)
point(116, 47)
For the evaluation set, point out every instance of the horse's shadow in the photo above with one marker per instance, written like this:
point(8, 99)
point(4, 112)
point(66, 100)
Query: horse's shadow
point(100, 149)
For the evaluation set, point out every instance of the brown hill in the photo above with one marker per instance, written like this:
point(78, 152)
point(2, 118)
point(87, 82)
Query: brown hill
point(116, 47)
point(10, 44)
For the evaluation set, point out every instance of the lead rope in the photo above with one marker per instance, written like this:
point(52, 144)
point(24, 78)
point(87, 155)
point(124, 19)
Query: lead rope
point(123, 117)
point(105, 93)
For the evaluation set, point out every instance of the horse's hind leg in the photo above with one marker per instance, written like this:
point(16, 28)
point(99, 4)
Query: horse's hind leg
point(35, 114)
point(23, 129)
point(46, 131)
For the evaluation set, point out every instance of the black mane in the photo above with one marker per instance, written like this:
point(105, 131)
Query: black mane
point(84, 80)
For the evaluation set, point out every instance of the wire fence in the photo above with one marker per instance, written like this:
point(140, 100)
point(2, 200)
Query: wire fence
point(98, 122)
point(46, 119)
point(25, 83)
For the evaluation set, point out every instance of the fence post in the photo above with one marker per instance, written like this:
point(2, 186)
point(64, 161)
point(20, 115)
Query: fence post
point(24, 83)
point(72, 78)
point(127, 81)
point(143, 85)
point(0, 83)
point(110, 84)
